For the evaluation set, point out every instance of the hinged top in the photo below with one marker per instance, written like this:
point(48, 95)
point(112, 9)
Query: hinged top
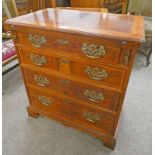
point(115, 26)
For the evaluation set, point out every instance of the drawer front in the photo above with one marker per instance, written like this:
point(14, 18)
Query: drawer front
point(85, 48)
point(75, 112)
point(82, 92)
point(100, 74)
point(28, 56)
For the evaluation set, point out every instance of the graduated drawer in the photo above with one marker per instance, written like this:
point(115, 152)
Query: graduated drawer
point(89, 48)
point(83, 92)
point(102, 74)
point(37, 58)
point(71, 111)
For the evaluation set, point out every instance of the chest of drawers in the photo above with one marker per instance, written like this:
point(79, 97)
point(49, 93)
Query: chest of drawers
point(76, 66)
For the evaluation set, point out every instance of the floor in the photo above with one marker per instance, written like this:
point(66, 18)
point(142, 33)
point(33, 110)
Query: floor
point(23, 135)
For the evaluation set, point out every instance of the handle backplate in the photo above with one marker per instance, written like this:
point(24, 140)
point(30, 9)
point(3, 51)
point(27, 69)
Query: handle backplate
point(37, 40)
point(93, 50)
point(44, 100)
point(38, 60)
point(96, 73)
point(93, 95)
point(41, 80)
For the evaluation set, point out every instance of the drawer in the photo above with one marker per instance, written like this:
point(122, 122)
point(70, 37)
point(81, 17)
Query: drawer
point(71, 111)
point(99, 50)
point(35, 58)
point(83, 92)
point(102, 74)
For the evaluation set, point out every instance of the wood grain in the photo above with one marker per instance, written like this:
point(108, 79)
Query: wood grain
point(62, 82)
point(75, 90)
point(102, 24)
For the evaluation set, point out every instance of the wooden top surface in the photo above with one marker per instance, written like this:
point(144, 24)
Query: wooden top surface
point(115, 26)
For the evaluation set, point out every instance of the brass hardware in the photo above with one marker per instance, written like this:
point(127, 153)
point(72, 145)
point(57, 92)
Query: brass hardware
point(37, 59)
point(37, 40)
point(67, 101)
point(64, 61)
point(62, 41)
point(91, 117)
point(93, 50)
point(94, 96)
point(96, 73)
point(44, 100)
point(41, 81)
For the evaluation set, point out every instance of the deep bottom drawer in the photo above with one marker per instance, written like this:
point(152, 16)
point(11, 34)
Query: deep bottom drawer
point(71, 111)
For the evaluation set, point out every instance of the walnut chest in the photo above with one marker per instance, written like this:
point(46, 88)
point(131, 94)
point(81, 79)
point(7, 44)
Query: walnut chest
point(76, 66)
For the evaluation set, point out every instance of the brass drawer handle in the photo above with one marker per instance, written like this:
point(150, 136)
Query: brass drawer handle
point(91, 117)
point(37, 40)
point(94, 96)
point(41, 81)
point(44, 100)
point(62, 41)
point(38, 60)
point(96, 73)
point(93, 50)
